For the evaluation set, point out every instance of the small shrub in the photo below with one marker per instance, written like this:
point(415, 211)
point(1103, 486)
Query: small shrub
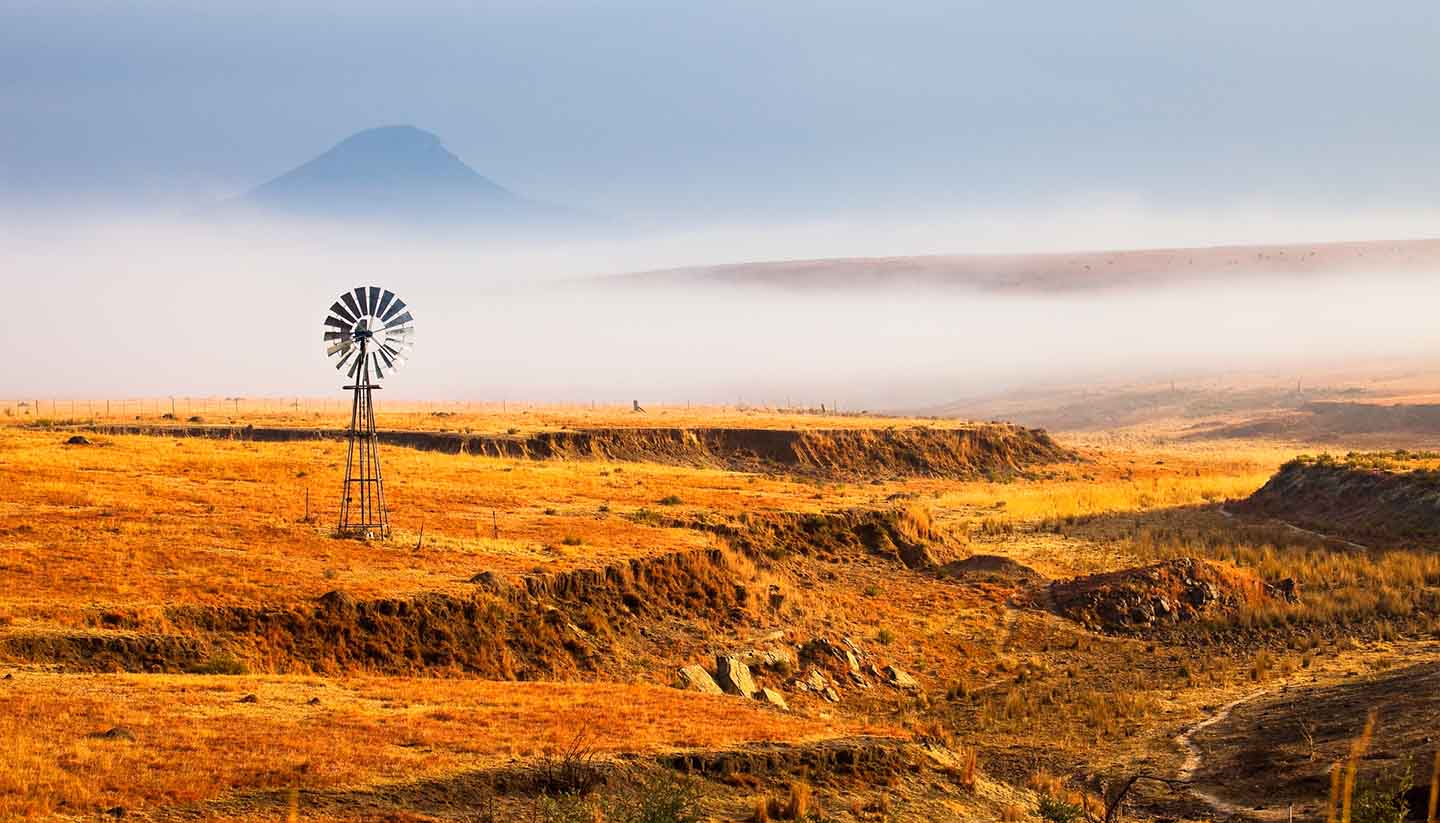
point(670, 500)
point(219, 664)
point(1382, 798)
point(662, 797)
point(571, 540)
point(885, 637)
point(1057, 810)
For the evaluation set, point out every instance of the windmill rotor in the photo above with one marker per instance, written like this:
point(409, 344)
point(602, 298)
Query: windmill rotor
point(369, 332)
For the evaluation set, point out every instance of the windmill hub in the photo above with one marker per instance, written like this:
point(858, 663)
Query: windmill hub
point(370, 333)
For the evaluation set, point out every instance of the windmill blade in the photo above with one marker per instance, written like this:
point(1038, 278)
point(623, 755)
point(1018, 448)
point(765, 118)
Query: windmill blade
point(374, 300)
point(385, 356)
point(336, 322)
point(343, 345)
point(394, 307)
point(375, 366)
point(345, 357)
point(350, 301)
point(384, 303)
point(362, 299)
point(355, 367)
point(399, 321)
point(339, 335)
point(340, 310)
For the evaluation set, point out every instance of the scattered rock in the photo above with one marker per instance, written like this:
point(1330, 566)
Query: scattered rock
point(314, 701)
point(777, 658)
point(733, 676)
point(817, 683)
point(113, 733)
point(696, 679)
point(78, 440)
point(821, 648)
point(249, 698)
point(900, 679)
point(772, 697)
point(116, 812)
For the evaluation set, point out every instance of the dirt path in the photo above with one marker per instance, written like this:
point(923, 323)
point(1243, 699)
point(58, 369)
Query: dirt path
point(1329, 538)
point(1194, 758)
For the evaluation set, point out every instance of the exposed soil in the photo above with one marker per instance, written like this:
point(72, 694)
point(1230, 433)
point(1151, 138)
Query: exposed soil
point(731, 776)
point(990, 568)
point(889, 533)
point(1268, 753)
point(1372, 506)
point(536, 626)
point(984, 450)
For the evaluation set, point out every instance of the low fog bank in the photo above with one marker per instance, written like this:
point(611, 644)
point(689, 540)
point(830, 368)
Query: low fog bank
point(113, 308)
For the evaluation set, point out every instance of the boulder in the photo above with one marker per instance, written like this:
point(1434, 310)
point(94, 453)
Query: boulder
point(696, 679)
point(113, 733)
point(900, 679)
point(772, 697)
point(733, 675)
point(78, 440)
point(776, 658)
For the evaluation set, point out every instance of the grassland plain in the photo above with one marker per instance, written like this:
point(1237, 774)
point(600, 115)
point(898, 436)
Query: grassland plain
point(186, 640)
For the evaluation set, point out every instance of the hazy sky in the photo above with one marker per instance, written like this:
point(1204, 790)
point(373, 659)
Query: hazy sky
point(665, 108)
point(761, 130)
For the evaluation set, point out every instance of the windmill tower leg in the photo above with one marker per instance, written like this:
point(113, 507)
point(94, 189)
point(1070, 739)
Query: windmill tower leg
point(362, 507)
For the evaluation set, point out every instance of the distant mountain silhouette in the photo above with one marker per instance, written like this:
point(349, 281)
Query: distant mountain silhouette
point(396, 173)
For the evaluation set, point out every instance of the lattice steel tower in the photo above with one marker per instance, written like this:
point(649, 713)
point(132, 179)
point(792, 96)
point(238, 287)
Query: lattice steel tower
point(371, 331)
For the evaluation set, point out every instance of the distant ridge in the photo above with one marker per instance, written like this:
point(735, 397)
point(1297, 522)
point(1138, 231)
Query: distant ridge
point(395, 173)
point(1064, 271)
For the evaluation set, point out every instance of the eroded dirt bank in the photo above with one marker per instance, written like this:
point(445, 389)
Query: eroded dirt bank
point(983, 450)
point(1377, 507)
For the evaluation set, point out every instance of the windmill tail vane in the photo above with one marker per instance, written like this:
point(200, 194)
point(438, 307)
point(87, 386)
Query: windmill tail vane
point(369, 332)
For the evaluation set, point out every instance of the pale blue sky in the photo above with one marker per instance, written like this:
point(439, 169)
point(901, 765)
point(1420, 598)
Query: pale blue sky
point(650, 108)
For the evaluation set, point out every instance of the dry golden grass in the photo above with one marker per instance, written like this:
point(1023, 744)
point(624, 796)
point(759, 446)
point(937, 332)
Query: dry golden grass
point(141, 523)
point(195, 740)
point(475, 418)
point(145, 520)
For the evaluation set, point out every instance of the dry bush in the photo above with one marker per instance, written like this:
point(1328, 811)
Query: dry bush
point(571, 770)
point(797, 804)
point(1044, 783)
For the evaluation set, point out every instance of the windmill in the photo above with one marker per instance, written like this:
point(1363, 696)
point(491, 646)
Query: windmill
point(371, 332)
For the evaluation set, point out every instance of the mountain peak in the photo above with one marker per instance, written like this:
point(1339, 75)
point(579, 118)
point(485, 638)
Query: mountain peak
point(391, 172)
point(393, 140)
